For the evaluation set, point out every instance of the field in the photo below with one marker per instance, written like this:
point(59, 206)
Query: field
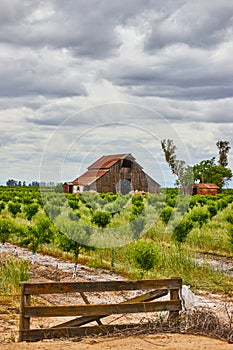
point(140, 236)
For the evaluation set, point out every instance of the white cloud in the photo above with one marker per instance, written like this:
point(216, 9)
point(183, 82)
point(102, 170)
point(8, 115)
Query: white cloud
point(97, 62)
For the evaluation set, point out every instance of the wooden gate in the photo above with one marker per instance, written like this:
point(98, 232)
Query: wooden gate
point(94, 312)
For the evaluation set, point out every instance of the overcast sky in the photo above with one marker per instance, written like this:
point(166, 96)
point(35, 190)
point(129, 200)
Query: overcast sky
point(83, 78)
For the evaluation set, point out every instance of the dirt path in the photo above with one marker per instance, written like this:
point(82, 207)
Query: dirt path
point(48, 268)
point(158, 342)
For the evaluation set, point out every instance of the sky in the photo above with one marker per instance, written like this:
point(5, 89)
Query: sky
point(81, 79)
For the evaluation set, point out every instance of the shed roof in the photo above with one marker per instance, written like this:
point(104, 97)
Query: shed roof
point(203, 185)
point(105, 162)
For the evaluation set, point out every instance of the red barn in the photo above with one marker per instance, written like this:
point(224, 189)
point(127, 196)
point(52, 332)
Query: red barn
point(113, 173)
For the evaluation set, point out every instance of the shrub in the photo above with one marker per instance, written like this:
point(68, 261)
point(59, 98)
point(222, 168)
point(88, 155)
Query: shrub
point(144, 254)
point(231, 235)
point(199, 215)
point(101, 218)
point(212, 210)
point(138, 209)
point(181, 231)
point(7, 227)
point(137, 224)
point(166, 214)
point(14, 208)
point(137, 199)
point(30, 210)
point(2, 206)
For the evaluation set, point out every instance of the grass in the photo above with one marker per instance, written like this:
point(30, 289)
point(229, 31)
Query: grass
point(173, 260)
point(12, 272)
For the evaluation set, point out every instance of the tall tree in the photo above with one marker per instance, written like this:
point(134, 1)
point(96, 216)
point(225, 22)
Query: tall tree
point(178, 167)
point(169, 150)
point(224, 148)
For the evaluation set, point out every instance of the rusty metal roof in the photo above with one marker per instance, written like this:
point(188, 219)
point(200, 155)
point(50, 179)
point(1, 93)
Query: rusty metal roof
point(89, 177)
point(203, 185)
point(105, 162)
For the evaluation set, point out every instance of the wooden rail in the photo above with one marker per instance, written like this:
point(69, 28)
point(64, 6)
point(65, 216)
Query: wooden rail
point(94, 312)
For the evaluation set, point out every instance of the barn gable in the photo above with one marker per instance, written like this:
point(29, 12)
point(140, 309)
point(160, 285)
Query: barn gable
point(113, 173)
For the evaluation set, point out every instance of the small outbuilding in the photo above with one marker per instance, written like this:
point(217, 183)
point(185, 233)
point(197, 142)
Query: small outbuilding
point(117, 173)
point(204, 189)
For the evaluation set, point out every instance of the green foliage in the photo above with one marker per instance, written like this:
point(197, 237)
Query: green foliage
point(166, 214)
point(14, 208)
point(212, 210)
point(137, 199)
point(2, 206)
point(12, 272)
point(181, 231)
point(37, 235)
point(229, 218)
point(30, 210)
point(224, 148)
point(144, 254)
point(137, 208)
point(221, 204)
point(101, 218)
point(7, 227)
point(109, 197)
point(137, 224)
point(199, 215)
point(231, 235)
point(52, 210)
point(74, 203)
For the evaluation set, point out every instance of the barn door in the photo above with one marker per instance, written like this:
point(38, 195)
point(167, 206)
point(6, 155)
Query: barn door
point(125, 186)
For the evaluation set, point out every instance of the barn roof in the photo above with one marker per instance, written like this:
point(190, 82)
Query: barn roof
point(89, 177)
point(203, 185)
point(105, 162)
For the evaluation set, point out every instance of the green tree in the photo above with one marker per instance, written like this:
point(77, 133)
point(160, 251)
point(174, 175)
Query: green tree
point(37, 235)
point(208, 172)
point(178, 167)
point(101, 218)
point(7, 227)
point(166, 213)
point(144, 254)
point(14, 208)
point(199, 215)
point(181, 231)
point(30, 210)
point(224, 148)
point(2, 206)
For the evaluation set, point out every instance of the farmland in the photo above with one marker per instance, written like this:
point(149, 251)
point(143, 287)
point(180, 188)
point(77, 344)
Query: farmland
point(149, 236)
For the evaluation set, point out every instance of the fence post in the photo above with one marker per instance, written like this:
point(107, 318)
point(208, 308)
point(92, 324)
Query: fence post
point(174, 295)
point(24, 322)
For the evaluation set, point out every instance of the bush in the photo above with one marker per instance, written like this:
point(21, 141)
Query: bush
point(144, 254)
point(199, 215)
point(30, 210)
point(101, 218)
point(181, 231)
point(212, 210)
point(231, 235)
point(137, 199)
point(137, 224)
point(7, 227)
point(14, 208)
point(2, 206)
point(166, 214)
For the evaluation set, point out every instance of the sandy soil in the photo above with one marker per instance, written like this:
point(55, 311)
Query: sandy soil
point(47, 270)
point(158, 341)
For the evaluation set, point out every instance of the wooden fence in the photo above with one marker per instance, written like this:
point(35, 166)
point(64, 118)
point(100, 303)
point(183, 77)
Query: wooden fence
point(94, 312)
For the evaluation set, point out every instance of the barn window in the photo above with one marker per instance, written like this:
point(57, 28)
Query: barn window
point(126, 163)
